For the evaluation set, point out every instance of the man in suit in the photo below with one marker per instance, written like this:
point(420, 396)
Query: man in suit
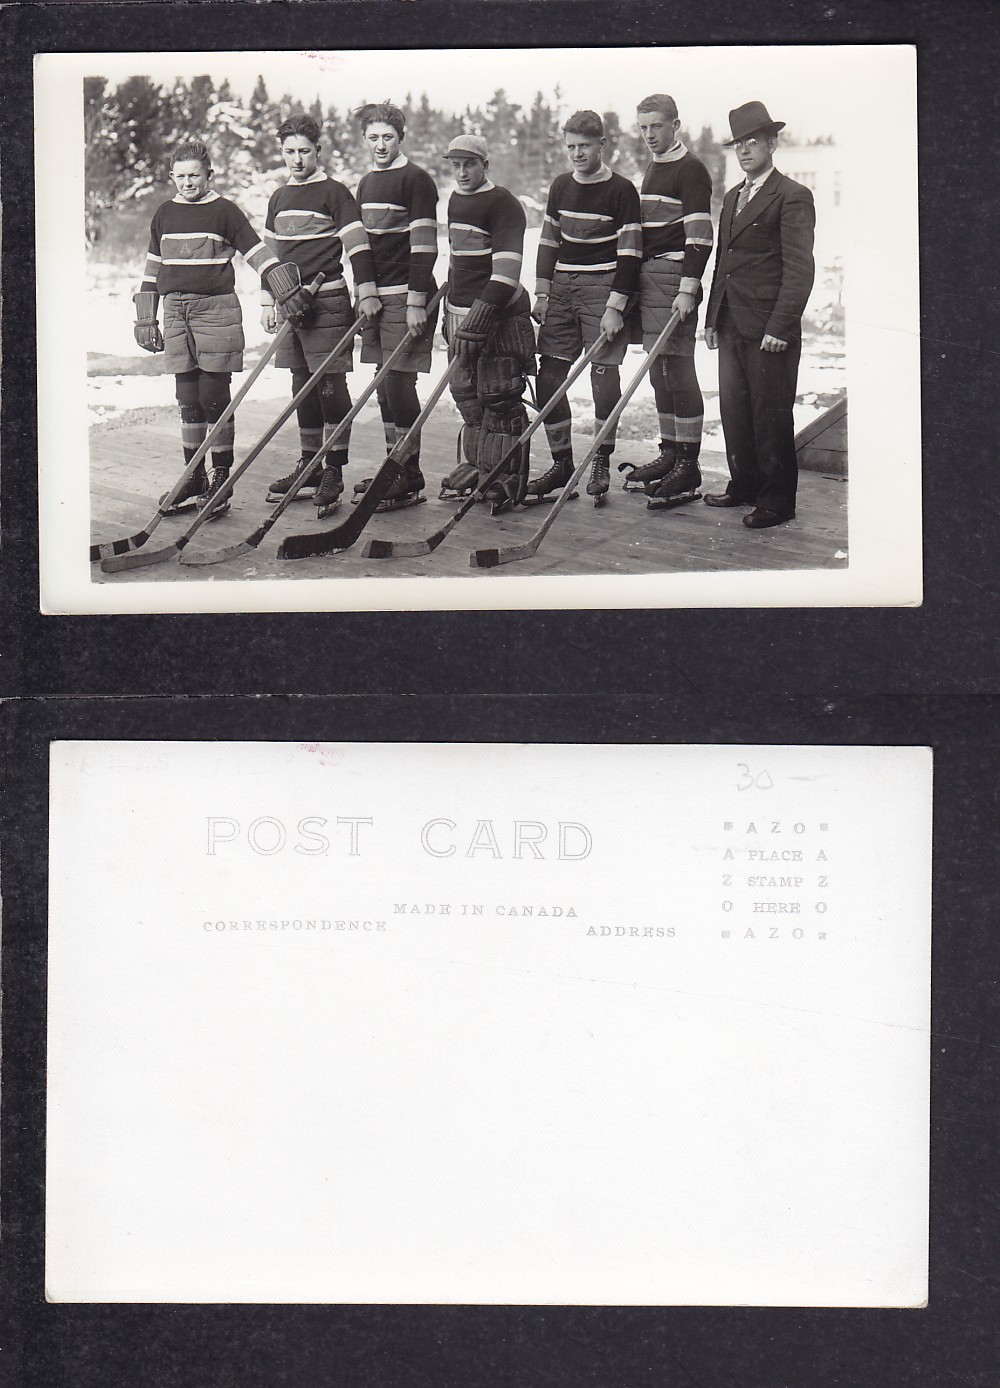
point(763, 275)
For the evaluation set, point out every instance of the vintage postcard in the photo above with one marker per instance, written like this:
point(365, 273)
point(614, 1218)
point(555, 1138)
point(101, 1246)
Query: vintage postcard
point(488, 1024)
point(460, 329)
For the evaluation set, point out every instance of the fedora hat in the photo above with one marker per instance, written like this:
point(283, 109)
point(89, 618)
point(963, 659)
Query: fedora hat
point(749, 119)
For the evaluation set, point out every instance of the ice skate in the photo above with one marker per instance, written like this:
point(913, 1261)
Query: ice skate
point(405, 491)
point(503, 493)
point(194, 488)
point(552, 481)
point(464, 476)
point(653, 472)
point(215, 509)
point(600, 477)
point(328, 493)
point(460, 482)
point(277, 489)
point(680, 485)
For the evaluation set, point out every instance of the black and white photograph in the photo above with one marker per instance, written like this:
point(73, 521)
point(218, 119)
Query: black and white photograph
point(377, 329)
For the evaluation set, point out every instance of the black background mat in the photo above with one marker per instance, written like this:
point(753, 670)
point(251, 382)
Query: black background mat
point(925, 676)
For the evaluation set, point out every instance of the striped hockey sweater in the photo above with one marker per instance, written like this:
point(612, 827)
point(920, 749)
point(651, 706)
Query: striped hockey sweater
point(593, 228)
point(486, 235)
point(677, 213)
point(192, 245)
point(399, 212)
point(313, 224)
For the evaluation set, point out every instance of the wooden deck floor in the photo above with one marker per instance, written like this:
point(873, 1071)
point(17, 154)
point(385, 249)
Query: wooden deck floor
point(135, 459)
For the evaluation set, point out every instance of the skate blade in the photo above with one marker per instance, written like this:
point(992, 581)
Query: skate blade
point(455, 496)
point(303, 494)
point(323, 511)
point(217, 512)
point(548, 499)
point(669, 503)
point(599, 497)
point(181, 508)
point(399, 505)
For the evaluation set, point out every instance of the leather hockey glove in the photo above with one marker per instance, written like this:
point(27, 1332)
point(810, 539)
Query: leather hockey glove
point(472, 332)
point(293, 299)
point(146, 329)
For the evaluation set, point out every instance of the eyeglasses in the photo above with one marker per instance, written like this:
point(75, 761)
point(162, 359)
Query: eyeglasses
point(751, 143)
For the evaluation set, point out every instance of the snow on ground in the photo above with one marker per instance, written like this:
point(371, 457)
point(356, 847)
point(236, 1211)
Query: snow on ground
point(822, 373)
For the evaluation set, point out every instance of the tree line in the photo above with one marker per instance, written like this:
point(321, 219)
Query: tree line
point(131, 130)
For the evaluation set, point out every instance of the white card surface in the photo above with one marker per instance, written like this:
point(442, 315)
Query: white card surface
point(452, 1023)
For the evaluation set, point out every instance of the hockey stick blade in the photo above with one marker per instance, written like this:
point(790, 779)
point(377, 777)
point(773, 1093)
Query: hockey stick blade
point(345, 534)
point(222, 556)
point(492, 558)
point(112, 548)
point(139, 559)
point(409, 549)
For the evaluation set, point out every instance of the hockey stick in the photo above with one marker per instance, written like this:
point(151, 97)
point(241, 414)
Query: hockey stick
point(247, 546)
point(490, 558)
point(110, 548)
point(344, 535)
point(408, 549)
point(158, 556)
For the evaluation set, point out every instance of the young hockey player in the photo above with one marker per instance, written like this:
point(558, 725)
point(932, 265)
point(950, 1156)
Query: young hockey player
point(398, 202)
point(587, 269)
point(312, 221)
point(487, 323)
point(676, 243)
point(192, 241)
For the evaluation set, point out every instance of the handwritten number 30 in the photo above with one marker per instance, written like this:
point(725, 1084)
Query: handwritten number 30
point(749, 781)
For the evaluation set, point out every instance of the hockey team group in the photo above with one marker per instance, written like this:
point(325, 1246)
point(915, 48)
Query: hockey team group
point(615, 265)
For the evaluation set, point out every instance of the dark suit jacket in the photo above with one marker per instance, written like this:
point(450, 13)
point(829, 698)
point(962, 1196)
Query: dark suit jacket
point(764, 268)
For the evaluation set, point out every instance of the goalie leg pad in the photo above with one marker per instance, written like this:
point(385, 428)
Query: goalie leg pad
point(503, 420)
point(501, 385)
point(470, 444)
point(501, 378)
point(466, 397)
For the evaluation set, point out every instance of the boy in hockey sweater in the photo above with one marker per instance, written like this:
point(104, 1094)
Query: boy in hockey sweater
point(676, 243)
point(313, 222)
point(587, 269)
point(398, 202)
point(192, 241)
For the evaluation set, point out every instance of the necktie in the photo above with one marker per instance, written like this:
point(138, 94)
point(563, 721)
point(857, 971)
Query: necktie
point(743, 198)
